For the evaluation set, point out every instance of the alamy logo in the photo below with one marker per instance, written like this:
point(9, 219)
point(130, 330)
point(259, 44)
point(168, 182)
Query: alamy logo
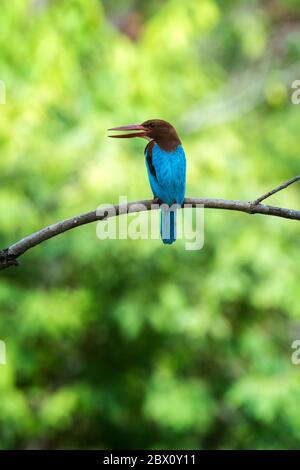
point(295, 357)
point(2, 353)
point(140, 223)
point(296, 94)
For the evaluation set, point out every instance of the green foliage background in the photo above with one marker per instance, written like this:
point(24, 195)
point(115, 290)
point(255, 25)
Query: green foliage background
point(131, 344)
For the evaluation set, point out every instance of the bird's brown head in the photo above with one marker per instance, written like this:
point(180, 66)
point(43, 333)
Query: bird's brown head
point(162, 132)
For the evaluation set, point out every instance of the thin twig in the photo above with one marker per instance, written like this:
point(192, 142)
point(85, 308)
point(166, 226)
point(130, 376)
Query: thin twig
point(276, 190)
point(8, 256)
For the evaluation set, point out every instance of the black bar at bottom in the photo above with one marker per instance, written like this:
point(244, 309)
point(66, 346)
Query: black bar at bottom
point(133, 459)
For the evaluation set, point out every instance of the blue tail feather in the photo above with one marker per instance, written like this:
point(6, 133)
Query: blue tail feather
point(168, 225)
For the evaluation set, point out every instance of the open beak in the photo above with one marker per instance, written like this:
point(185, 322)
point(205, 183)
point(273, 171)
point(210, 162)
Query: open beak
point(133, 127)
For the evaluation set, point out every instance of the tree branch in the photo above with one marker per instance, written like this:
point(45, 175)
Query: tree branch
point(276, 190)
point(8, 256)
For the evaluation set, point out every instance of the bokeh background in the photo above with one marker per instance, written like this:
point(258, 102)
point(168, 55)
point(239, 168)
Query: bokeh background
point(131, 344)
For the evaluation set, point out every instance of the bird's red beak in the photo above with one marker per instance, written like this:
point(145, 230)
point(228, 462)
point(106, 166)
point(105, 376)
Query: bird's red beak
point(132, 127)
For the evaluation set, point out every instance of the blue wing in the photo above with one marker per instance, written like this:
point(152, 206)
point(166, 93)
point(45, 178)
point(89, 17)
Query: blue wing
point(166, 172)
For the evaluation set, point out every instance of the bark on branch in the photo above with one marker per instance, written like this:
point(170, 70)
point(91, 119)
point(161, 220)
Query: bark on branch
point(8, 256)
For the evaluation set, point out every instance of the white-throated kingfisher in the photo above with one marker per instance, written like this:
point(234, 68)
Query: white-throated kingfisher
point(166, 166)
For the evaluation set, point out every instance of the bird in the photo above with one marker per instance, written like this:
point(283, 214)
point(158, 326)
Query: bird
point(166, 168)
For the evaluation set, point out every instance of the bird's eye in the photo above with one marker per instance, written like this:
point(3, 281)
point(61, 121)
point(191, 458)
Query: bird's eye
point(151, 124)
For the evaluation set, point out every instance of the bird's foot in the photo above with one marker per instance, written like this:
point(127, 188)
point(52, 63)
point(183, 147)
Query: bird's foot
point(156, 200)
